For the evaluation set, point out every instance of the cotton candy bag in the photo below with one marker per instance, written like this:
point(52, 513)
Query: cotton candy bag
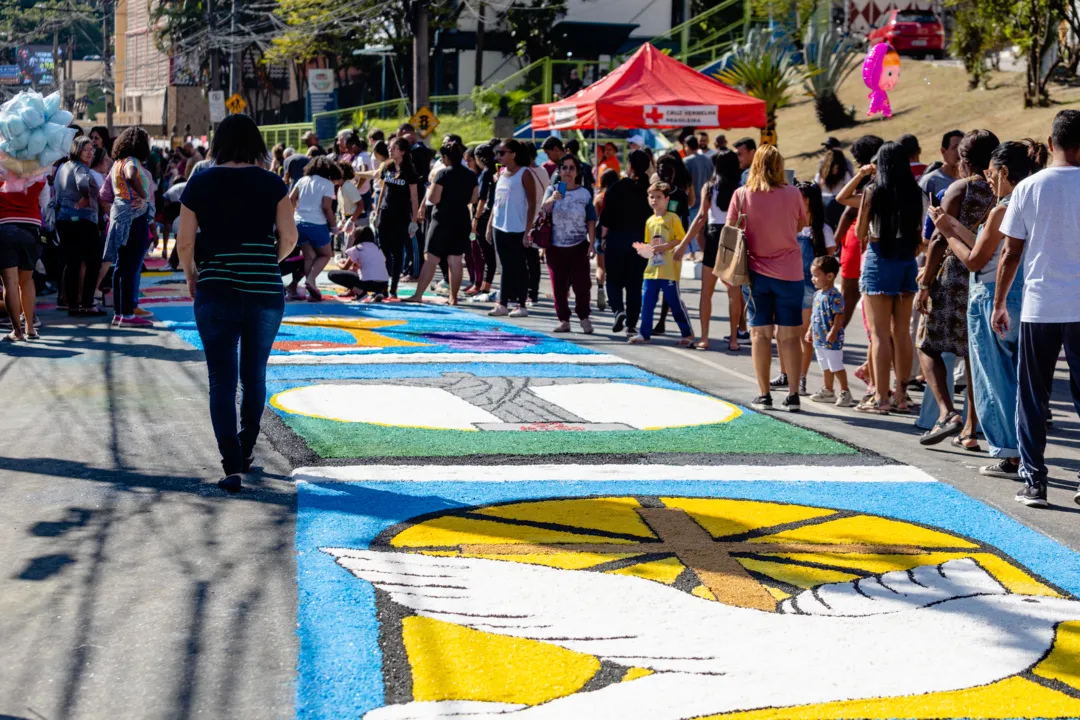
point(34, 134)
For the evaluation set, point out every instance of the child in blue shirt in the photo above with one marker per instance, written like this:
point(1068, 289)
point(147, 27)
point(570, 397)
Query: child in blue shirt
point(827, 331)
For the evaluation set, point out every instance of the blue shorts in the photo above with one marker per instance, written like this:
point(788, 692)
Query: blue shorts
point(887, 276)
point(774, 302)
point(808, 297)
point(315, 235)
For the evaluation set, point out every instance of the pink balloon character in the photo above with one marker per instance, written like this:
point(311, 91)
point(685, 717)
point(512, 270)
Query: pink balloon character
point(881, 72)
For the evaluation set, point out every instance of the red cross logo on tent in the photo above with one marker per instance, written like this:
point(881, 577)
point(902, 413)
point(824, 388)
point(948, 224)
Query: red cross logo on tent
point(653, 114)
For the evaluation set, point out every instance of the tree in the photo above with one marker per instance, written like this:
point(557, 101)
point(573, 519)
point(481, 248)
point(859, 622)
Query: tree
point(529, 23)
point(830, 59)
point(794, 14)
point(764, 67)
point(984, 26)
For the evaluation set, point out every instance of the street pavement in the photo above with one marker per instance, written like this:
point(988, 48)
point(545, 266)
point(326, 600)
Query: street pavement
point(133, 587)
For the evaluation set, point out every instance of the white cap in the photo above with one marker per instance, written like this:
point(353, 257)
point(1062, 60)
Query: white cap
point(636, 140)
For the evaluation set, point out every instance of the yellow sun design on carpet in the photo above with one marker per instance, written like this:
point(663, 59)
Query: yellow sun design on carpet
point(739, 552)
point(362, 330)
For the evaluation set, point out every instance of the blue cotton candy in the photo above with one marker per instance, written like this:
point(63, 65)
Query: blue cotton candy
point(36, 143)
point(52, 105)
point(54, 135)
point(62, 117)
point(33, 117)
point(48, 157)
point(37, 102)
point(16, 126)
point(19, 142)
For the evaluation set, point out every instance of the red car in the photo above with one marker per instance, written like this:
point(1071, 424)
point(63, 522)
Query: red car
point(915, 32)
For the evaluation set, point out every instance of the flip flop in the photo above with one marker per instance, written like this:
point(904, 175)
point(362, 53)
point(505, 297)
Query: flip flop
point(951, 425)
point(314, 295)
point(686, 341)
point(701, 345)
point(958, 441)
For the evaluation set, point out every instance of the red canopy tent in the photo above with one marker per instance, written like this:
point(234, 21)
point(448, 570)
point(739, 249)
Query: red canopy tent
point(651, 90)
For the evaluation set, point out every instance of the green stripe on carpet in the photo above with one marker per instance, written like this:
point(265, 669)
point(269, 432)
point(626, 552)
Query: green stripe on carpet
point(751, 433)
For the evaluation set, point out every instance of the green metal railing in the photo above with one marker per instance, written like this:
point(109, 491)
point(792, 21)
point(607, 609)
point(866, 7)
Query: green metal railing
point(288, 135)
point(346, 117)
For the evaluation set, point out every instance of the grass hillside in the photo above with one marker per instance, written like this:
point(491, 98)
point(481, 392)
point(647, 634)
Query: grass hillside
point(930, 99)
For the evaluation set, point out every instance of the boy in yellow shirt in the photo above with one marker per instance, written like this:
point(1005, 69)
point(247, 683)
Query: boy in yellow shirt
point(663, 233)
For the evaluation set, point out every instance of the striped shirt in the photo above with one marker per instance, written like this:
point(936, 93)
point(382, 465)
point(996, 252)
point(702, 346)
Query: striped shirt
point(236, 209)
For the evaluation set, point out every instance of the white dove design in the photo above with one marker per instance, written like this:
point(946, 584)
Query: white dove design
point(931, 629)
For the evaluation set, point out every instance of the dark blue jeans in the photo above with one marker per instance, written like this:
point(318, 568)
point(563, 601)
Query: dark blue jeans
point(128, 267)
point(229, 320)
point(1040, 345)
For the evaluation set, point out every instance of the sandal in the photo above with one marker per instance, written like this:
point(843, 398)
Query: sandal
point(871, 408)
point(701, 345)
point(685, 342)
point(959, 441)
point(951, 425)
point(314, 294)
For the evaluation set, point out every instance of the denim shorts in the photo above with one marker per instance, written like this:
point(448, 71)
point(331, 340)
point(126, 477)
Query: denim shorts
point(808, 297)
point(887, 276)
point(774, 302)
point(316, 235)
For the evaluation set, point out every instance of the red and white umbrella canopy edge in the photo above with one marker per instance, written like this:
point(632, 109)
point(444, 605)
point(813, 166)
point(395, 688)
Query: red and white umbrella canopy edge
point(652, 90)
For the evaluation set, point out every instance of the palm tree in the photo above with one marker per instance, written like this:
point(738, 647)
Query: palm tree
point(832, 58)
point(764, 66)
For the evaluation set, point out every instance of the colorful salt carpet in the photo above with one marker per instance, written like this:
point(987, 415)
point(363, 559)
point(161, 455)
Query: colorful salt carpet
point(495, 523)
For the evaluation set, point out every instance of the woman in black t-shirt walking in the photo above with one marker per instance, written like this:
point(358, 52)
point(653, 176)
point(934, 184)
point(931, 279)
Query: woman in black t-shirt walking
point(239, 299)
point(399, 203)
point(452, 191)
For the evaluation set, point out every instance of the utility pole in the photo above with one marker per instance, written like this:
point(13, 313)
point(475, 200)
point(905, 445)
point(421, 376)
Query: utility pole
point(234, 57)
point(215, 64)
point(684, 36)
point(106, 58)
point(479, 77)
point(56, 61)
point(420, 54)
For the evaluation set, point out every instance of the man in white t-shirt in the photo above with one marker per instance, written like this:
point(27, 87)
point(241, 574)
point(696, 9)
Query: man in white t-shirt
point(1042, 233)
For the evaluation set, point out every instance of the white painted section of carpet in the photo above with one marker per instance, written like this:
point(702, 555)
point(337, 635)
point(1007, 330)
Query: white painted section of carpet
point(614, 473)
point(385, 358)
point(397, 405)
point(640, 406)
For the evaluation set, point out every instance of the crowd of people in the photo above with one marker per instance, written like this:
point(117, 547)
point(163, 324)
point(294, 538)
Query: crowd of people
point(928, 256)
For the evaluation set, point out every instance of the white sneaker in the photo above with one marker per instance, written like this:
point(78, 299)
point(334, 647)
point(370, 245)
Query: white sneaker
point(562, 327)
point(498, 311)
point(519, 312)
point(601, 299)
point(637, 340)
point(844, 399)
point(586, 326)
point(823, 396)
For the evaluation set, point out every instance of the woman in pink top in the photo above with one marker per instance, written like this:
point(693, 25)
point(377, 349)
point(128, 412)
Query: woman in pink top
point(775, 213)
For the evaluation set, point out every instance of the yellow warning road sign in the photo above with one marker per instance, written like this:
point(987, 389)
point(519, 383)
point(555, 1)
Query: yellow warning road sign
point(236, 104)
point(424, 121)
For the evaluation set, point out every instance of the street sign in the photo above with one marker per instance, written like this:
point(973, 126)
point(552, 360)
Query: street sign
point(236, 104)
point(217, 105)
point(424, 121)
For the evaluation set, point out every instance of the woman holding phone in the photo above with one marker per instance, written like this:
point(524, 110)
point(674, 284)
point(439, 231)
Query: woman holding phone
point(573, 231)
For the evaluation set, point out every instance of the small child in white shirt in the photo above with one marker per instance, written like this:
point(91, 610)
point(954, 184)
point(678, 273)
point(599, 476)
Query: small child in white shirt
point(827, 331)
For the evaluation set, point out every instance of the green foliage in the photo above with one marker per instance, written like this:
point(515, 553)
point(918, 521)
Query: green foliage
point(529, 23)
point(796, 14)
point(486, 102)
point(763, 66)
point(830, 59)
point(984, 26)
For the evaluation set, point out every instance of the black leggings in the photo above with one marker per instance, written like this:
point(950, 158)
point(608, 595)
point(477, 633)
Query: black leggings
point(349, 279)
point(486, 252)
point(81, 244)
point(393, 235)
point(515, 269)
point(532, 258)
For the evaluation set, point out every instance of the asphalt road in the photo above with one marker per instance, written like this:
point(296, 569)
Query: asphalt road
point(132, 587)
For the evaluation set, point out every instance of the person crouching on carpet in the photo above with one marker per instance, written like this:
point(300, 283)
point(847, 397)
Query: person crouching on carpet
point(364, 270)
